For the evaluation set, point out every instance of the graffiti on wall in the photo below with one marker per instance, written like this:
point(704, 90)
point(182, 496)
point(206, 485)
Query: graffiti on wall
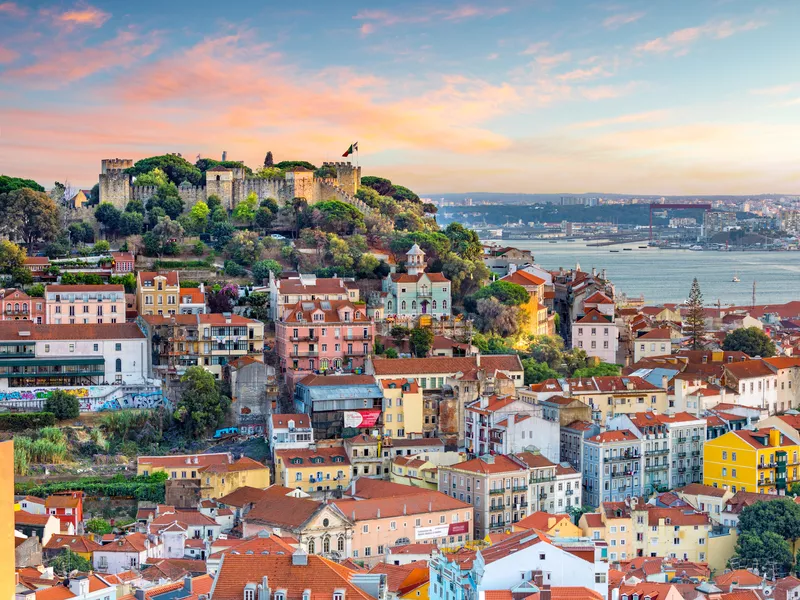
point(92, 398)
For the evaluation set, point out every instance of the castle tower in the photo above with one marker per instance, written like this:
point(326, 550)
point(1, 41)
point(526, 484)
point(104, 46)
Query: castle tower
point(302, 181)
point(348, 177)
point(219, 182)
point(415, 260)
point(115, 183)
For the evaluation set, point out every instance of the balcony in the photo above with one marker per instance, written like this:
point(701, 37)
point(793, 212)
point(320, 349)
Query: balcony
point(303, 338)
point(354, 352)
point(696, 452)
point(496, 491)
point(542, 496)
point(500, 508)
point(519, 488)
point(542, 479)
point(697, 438)
point(351, 338)
point(681, 454)
point(696, 467)
point(769, 465)
point(656, 452)
point(297, 354)
point(652, 468)
point(570, 492)
point(623, 457)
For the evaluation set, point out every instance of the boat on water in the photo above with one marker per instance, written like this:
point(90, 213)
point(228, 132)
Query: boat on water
point(627, 249)
point(643, 247)
point(613, 250)
point(735, 278)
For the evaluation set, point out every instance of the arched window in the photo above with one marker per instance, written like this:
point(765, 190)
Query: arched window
point(402, 541)
point(311, 546)
point(403, 305)
point(119, 365)
point(413, 305)
point(389, 305)
point(444, 303)
point(323, 364)
point(326, 545)
point(340, 543)
point(337, 364)
point(434, 305)
point(16, 307)
point(217, 177)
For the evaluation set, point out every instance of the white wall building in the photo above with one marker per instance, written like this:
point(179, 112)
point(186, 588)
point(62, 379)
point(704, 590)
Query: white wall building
point(129, 552)
point(656, 342)
point(755, 381)
point(597, 334)
point(289, 432)
point(567, 490)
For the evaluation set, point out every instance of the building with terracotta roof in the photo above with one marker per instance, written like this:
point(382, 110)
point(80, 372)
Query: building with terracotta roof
point(222, 338)
point(755, 382)
point(597, 334)
point(523, 563)
point(43, 526)
point(16, 305)
point(540, 321)
point(554, 525)
point(431, 373)
point(130, 551)
point(83, 586)
point(67, 507)
point(214, 475)
point(317, 471)
point(288, 291)
point(414, 293)
point(178, 528)
point(751, 461)
point(403, 408)
point(192, 301)
point(501, 260)
point(158, 293)
point(656, 342)
point(289, 431)
point(613, 467)
point(323, 335)
point(572, 439)
point(37, 265)
point(84, 304)
point(706, 498)
point(676, 532)
point(297, 576)
point(73, 356)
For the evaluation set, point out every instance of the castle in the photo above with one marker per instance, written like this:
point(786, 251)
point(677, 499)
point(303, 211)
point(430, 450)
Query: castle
point(232, 185)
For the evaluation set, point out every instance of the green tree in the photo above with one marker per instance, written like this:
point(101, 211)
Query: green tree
point(99, 526)
point(466, 276)
point(262, 268)
point(62, 405)
point(264, 218)
point(167, 231)
point(268, 160)
point(694, 323)
point(750, 340)
point(601, 370)
point(36, 290)
point(492, 316)
point(258, 305)
point(536, 372)
point(12, 257)
point(198, 216)
point(131, 223)
point(505, 292)
point(213, 202)
point(576, 512)
point(156, 177)
point(68, 561)
point(135, 206)
point(339, 217)
point(245, 247)
point(81, 232)
point(399, 333)
point(9, 184)
point(201, 406)
point(101, 247)
point(421, 339)
point(221, 234)
point(245, 211)
point(108, 216)
point(30, 215)
point(288, 164)
point(465, 242)
point(176, 168)
point(391, 353)
point(128, 280)
point(757, 550)
point(233, 269)
point(781, 516)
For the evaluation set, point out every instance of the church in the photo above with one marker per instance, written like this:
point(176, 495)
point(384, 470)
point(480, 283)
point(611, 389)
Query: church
point(414, 293)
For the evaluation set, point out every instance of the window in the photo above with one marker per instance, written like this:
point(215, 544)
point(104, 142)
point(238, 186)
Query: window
point(118, 347)
point(365, 529)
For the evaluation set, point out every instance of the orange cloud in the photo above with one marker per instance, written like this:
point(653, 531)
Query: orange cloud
point(12, 9)
point(62, 61)
point(553, 59)
point(653, 115)
point(81, 14)
point(582, 74)
point(680, 40)
point(776, 90)
point(535, 48)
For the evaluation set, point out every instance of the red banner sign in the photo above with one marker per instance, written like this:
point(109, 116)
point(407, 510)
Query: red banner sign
point(362, 418)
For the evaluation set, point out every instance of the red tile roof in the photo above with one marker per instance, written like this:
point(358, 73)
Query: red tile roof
point(574, 593)
point(698, 489)
point(312, 458)
point(445, 364)
point(321, 286)
point(594, 520)
point(319, 574)
point(594, 317)
point(534, 460)
point(656, 334)
point(541, 521)
point(277, 508)
point(395, 506)
point(282, 420)
point(243, 496)
point(407, 278)
point(753, 438)
point(413, 386)
point(258, 544)
point(133, 542)
point(497, 464)
point(77, 289)
point(738, 578)
point(194, 294)
point(76, 543)
point(598, 298)
point(23, 517)
point(326, 380)
point(172, 277)
point(334, 313)
point(523, 278)
point(621, 435)
point(25, 330)
point(747, 369)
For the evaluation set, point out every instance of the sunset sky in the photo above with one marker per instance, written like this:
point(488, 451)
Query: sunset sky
point(699, 96)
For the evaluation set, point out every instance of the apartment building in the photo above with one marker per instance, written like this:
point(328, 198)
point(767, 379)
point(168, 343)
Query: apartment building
point(84, 304)
point(285, 292)
point(316, 471)
point(542, 484)
point(787, 369)
point(158, 293)
point(16, 305)
point(193, 301)
point(225, 337)
point(403, 408)
point(763, 461)
point(656, 342)
point(573, 436)
point(670, 532)
point(756, 383)
point(613, 466)
point(321, 335)
point(598, 335)
point(289, 432)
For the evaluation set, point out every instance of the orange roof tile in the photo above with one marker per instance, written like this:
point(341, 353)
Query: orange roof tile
point(621, 435)
point(332, 311)
point(445, 364)
point(10, 330)
point(499, 463)
point(414, 504)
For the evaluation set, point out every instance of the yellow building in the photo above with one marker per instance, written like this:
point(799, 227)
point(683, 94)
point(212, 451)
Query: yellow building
point(216, 474)
point(7, 583)
point(415, 471)
point(670, 532)
point(612, 522)
point(402, 408)
point(419, 592)
point(763, 461)
point(157, 293)
point(317, 470)
point(553, 525)
point(537, 321)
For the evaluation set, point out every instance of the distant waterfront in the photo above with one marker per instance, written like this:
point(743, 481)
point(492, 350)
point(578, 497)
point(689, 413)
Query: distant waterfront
point(666, 275)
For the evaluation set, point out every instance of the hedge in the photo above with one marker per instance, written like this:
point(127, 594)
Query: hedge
point(23, 421)
point(140, 487)
point(182, 264)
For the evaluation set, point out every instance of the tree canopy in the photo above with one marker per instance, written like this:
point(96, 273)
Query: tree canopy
point(176, 168)
point(202, 405)
point(694, 323)
point(62, 405)
point(750, 340)
point(421, 340)
point(29, 215)
point(9, 184)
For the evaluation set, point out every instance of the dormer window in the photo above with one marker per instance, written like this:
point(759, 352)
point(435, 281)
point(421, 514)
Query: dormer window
point(338, 595)
point(297, 461)
point(299, 316)
point(250, 591)
point(306, 594)
point(280, 595)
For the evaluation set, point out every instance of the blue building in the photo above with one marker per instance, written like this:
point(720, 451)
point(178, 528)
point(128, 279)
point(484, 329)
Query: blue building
point(611, 467)
point(414, 293)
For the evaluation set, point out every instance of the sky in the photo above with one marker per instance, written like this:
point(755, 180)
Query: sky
point(570, 96)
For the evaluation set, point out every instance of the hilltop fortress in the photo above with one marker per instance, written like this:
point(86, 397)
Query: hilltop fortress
point(231, 185)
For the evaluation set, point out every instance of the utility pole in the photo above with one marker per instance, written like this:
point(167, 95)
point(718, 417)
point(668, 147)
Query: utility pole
point(753, 305)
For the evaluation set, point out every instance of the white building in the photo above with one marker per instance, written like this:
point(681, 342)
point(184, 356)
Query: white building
point(129, 552)
point(33, 505)
point(192, 301)
point(289, 432)
point(567, 489)
point(756, 383)
point(656, 342)
point(597, 334)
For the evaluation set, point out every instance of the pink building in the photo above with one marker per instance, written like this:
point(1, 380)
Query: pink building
point(122, 262)
point(16, 305)
point(84, 304)
point(320, 335)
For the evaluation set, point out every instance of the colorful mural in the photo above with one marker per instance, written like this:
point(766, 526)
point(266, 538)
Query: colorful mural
point(92, 398)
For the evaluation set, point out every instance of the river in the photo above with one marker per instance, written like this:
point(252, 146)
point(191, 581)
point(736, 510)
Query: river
point(666, 275)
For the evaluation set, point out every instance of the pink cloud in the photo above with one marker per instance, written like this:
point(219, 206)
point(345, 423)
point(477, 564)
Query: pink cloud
point(650, 116)
point(776, 90)
point(606, 92)
point(679, 41)
point(7, 55)
point(82, 14)
point(553, 59)
point(536, 48)
point(616, 21)
point(63, 61)
point(12, 9)
point(582, 74)
point(374, 19)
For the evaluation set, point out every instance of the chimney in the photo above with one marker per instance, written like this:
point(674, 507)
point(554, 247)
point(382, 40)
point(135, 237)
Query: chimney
point(187, 584)
point(379, 513)
point(404, 510)
point(511, 419)
point(79, 586)
point(139, 594)
point(299, 558)
point(478, 359)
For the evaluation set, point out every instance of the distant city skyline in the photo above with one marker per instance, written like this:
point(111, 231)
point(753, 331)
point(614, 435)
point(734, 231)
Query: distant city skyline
point(520, 96)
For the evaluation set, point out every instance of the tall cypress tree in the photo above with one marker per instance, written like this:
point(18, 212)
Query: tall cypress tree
point(694, 324)
point(268, 161)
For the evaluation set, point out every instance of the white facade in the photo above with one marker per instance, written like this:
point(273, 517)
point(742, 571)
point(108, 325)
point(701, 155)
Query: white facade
point(567, 492)
point(645, 347)
point(759, 392)
point(599, 339)
point(686, 439)
point(35, 507)
point(112, 561)
point(289, 432)
point(560, 568)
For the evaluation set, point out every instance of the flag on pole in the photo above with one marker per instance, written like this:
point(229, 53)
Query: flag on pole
point(353, 148)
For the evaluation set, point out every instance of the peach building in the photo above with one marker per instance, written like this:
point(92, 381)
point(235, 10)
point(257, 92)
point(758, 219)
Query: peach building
point(397, 517)
point(84, 304)
point(16, 305)
point(322, 335)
